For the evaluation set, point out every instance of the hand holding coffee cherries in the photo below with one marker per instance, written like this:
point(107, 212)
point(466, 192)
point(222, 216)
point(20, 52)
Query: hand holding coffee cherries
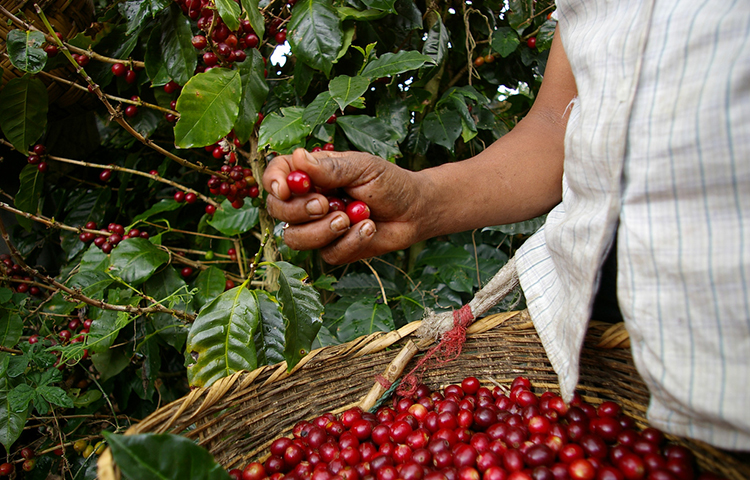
point(314, 204)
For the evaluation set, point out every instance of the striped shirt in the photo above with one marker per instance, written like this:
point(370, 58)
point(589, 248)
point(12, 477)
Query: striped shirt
point(657, 152)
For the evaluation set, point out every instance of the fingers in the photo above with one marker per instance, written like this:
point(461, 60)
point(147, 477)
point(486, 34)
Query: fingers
point(326, 169)
point(298, 209)
point(317, 234)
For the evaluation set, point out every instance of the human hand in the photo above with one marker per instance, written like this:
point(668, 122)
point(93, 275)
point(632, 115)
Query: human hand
point(392, 193)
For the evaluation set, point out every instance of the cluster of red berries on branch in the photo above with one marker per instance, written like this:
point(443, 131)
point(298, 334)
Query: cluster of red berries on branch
point(219, 45)
point(11, 269)
point(244, 185)
point(72, 332)
point(300, 183)
point(38, 157)
point(469, 432)
point(111, 236)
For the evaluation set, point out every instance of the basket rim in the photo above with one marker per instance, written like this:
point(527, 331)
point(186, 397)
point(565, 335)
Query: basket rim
point(234, 387)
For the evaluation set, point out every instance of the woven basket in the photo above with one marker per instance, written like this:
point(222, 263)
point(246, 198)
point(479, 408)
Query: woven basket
point(69, 17)
point(238, 417)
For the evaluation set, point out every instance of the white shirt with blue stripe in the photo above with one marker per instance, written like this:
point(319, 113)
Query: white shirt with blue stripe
point(657, 152)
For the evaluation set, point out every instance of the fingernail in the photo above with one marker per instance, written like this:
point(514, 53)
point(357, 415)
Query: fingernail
point(275, 188)
point(313, 207)
point(311, 159)
point(338, 224)
point(367, 230)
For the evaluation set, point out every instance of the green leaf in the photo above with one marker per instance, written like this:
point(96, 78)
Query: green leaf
point(390, 64)
point(270, 334)
point(111, 362)
point(443, 127)
point(363, 284)
point(175, 45)
point(164, 205)
point(458, 277)
point(20, 397)
point(11, 328)
point(25, 50)
point(504, 41)
point(210, 283)
point(23, 117)
point(11, 422)
point(364, 317)
point(208, 106)
point(254, 16)
point(281, 132)
point(156, 67)
point(319, 110)
point(468, 125)
point(90, 282)
point(301, 307)
point(94, 259)
point(520, 14)
point(314, 34)
point(370, 134)
point(436, 45)
point(169, 288)
point(105, 326)
point(138, 11)
point(87, 398)
point(545, 35)
point(220, 341)
point(234, 221)
point(6, 294)
point(345, 89)
point(442, 253)
point(254, 93)
point(325, 282)
point(136, 259)
point(229, 11)
point(349, 13)
point(384, 5)
point(144, 456)
point(55, 396)
point(29, 194)
point(526, 227)
point(395, 113)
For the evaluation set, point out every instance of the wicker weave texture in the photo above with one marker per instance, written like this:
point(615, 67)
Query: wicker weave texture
point(238, 417)
point(69, 17)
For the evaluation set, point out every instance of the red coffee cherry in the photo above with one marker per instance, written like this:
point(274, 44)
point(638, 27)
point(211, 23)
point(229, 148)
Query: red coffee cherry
point(299, 182)
point(357, 211)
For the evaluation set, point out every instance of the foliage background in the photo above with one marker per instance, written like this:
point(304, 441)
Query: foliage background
point(419, 83)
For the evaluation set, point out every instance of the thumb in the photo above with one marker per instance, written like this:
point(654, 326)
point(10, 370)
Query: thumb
point(332, 170)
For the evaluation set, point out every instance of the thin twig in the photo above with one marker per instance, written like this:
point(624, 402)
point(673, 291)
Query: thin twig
point(377, 277)
point(116, 114)
point(78, 295)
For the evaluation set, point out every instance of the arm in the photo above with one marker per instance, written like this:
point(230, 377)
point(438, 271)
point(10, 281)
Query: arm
point(516, 178)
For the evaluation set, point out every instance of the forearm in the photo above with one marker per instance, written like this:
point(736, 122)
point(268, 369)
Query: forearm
point(517, 178)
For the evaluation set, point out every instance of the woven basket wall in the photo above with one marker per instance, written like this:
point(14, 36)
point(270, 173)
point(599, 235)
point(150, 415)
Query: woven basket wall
point(238, 417)
point(68, 17)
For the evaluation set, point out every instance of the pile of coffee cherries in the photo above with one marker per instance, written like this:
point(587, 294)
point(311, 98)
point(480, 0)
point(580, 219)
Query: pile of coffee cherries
point(300, 183)
point(469, 432)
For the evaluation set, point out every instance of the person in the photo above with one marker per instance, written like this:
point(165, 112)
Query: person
point(640, 133)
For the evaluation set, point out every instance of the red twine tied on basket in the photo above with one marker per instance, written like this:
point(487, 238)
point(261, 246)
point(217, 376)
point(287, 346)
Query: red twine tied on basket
point(384, 382)
point(449, 347)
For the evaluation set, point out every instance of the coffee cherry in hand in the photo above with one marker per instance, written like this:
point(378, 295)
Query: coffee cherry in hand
point(357, 211)
point(299, 182)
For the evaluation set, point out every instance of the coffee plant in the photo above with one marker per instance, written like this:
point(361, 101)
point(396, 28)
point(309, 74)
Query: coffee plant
point(139, 258)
